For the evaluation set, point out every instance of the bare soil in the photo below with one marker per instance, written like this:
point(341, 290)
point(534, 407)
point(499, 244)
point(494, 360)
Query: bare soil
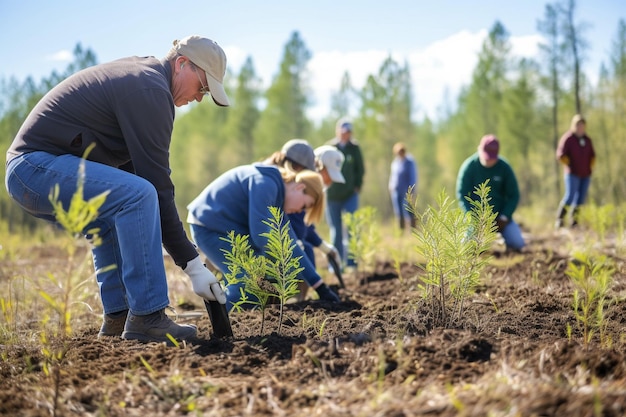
point(375, 354)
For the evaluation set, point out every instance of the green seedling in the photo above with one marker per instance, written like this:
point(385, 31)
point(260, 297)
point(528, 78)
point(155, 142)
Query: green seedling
point(244, 266)
point(274, 274)
point(75, 221)
point(312, 323)
point(283, 268)
point(453, 244)
point(364, 237)
point(592, 278)
point(599, 219)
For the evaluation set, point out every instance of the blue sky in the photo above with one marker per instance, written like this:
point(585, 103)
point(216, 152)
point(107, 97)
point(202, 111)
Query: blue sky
point(438, 39)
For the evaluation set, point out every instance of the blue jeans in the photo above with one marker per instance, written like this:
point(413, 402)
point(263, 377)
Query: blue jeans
point(576, 189)
point(338, 236)
point(399, 204)
point(512, 236)
point(129, 223)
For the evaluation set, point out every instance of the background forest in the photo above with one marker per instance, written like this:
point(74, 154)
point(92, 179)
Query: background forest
point(527, 103)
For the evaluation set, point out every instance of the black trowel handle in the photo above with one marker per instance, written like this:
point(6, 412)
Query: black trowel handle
point(219, 319)
point(336, 268)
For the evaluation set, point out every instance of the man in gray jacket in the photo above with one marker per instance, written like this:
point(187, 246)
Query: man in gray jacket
point(126, 108)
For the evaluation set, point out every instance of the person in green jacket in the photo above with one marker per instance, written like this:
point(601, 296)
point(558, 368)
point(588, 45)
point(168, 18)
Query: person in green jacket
point(487, 165)
point(344, 197)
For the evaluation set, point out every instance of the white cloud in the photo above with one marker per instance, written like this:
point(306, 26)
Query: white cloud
point(526, 46)
point(327, 69)
point(442, 69)
point(60, 56)
point(437, 71)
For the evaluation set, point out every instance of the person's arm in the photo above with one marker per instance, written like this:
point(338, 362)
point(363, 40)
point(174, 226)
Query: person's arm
point(391, 185)
point(359, 168)
point(413, 173)
point(511, 193)
point(146, 120)
point(464, 185)
point(562, 151)
point(592, 161)
point(312, 236)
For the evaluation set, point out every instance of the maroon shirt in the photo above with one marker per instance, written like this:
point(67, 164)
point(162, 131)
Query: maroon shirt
point(579, 151)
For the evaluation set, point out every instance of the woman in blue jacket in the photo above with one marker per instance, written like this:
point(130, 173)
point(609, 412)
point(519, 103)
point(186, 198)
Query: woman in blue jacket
point(239, 201)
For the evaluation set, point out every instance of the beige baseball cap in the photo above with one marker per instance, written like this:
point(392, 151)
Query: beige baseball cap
point(210, 57)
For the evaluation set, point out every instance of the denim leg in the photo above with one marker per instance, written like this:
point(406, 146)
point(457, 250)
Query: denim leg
point(131, 206)
point(583, 189)
point(335, 226)
point(110, 282)
point(404, 204)
point(572, 185)
point(349, 206)
point(213, 247)
point(512, 235)
point(396, 203)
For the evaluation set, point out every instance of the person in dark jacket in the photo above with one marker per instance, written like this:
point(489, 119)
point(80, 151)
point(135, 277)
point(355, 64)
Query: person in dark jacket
point(575, 151)
point(239, 201)
point(344, 197)
point(485, 165)
point(126, 108)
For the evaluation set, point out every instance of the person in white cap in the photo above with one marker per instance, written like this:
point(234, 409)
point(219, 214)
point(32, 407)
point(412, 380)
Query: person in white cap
point(126, 109)
point(330, 161)
point(238, 201)
point(297, 155)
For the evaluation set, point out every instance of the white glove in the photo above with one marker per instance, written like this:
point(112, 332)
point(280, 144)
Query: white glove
point(327, 248)
point(204, 283)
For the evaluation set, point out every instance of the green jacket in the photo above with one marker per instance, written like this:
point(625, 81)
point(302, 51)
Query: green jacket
point(504, 191)
point(353, 170)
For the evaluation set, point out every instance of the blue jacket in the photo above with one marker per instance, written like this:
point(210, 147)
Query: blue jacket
point(239, 200)
point(403, 174)
point(305, 232)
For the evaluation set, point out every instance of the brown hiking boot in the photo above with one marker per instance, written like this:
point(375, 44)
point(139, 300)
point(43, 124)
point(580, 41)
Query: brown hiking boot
point(113, 324)
point(155, 327)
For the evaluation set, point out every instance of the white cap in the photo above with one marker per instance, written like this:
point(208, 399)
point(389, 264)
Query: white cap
point(210, 57)
point(331, 159)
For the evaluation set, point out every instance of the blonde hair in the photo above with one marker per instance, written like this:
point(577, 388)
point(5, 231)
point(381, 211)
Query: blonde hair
point(575, 120)
point(279, 159)
point(399, 148)
point(313, 186)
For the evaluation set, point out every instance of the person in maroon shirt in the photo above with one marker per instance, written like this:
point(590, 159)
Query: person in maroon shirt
point(575, 152)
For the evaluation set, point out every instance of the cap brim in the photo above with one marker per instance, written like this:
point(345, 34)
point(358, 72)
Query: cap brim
point(217, 91)
point(336, 176)
point(489, 155)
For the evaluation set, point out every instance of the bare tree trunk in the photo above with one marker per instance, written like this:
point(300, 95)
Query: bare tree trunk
point(574, 43)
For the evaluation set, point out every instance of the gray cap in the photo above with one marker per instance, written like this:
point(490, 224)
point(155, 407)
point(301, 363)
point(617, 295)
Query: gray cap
point(300, 152)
